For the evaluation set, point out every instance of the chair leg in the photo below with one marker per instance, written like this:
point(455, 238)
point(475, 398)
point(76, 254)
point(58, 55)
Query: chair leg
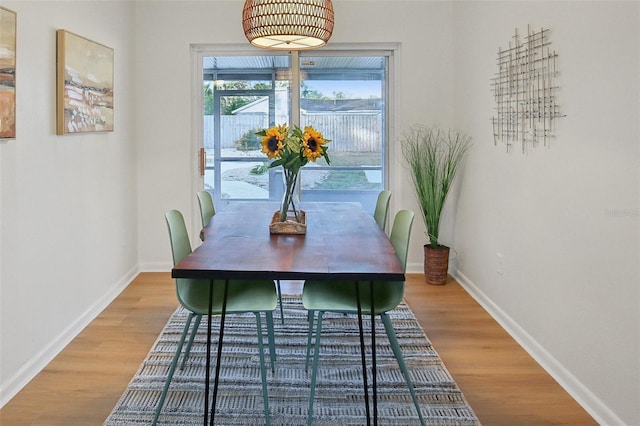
point(314, 372)
point(187, 350)
point(397, 352)
point(310, 318)
point(172, 368)
point(271, 336)
point(280, 302)
point(263, 370)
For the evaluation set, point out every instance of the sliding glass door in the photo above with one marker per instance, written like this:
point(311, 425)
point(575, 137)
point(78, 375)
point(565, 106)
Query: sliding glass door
point(343, 95)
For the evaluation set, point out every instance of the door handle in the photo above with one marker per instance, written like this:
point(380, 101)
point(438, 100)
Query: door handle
point(203, 161)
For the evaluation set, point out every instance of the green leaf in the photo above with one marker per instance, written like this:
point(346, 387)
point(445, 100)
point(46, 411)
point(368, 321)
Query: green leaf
point(276, 163)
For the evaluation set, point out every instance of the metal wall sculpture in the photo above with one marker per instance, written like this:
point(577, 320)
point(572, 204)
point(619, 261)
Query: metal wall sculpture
point(524, 90)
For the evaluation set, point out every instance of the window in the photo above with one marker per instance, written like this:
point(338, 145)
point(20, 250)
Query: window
point(342, 95)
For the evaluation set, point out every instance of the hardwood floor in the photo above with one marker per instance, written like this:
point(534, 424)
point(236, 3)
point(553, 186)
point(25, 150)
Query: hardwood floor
point(501, 382)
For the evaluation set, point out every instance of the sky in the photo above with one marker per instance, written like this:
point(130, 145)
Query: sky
point(353, 89)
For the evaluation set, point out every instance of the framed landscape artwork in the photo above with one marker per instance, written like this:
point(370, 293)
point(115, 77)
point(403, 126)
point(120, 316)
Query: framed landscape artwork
point(84, 85)
point(7, 74)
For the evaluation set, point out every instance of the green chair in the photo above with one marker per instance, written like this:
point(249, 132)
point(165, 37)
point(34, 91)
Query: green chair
point(207, 211)
point(382, 207)
point(340, 297)
point(205, 201)
point(254, 296)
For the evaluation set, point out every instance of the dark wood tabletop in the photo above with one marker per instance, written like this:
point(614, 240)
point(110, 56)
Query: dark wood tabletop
point(342, 242)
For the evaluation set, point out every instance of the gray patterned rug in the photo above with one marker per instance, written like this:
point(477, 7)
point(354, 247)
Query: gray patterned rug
point(339, 393)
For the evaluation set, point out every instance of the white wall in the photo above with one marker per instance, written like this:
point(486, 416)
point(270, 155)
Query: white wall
point(565, 217)
point(68, 215)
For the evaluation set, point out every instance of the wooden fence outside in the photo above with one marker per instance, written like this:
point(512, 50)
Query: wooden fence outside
point(349, 132)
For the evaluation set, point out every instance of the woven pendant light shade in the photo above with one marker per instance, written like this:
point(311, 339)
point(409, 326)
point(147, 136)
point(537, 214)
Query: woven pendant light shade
point(288, 24)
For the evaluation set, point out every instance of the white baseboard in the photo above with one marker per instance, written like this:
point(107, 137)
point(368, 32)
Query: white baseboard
point(32, 367)
point(583, 396)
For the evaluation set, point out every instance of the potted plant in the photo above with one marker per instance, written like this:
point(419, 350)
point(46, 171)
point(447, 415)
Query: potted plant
point(433, 156)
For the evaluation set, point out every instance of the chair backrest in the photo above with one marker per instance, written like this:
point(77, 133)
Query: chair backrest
point(401, 234)
point(390, 294)
point(206, 207)
point(178, 236)
point(192, 294)
point(382, 207)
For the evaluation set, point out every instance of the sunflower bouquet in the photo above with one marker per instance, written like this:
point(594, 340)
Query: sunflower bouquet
point(292, 148)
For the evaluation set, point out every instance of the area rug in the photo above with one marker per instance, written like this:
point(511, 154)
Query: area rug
point(339, 393)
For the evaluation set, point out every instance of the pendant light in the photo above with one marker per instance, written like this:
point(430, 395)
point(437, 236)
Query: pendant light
point(288, 24)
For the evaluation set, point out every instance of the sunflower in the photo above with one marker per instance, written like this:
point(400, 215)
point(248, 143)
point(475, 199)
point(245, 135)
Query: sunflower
point(313, 143)
point(272, 141)
point(291, 147)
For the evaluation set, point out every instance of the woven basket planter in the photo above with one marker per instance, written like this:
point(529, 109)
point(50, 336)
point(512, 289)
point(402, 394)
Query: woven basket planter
point(436, 264)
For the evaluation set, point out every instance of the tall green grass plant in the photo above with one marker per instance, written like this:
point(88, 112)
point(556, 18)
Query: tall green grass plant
point(433, 156)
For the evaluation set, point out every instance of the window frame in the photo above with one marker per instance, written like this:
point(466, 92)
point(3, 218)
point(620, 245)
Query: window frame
point(387, 50)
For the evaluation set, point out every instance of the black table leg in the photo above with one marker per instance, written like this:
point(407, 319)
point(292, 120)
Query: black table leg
point(362, 354)
point(373, 359)
point(223, 314)
point(208, 363)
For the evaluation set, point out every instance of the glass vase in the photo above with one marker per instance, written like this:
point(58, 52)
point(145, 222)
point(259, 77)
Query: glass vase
point(290, 205)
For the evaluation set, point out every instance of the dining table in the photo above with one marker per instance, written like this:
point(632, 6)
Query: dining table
point(342, 242)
